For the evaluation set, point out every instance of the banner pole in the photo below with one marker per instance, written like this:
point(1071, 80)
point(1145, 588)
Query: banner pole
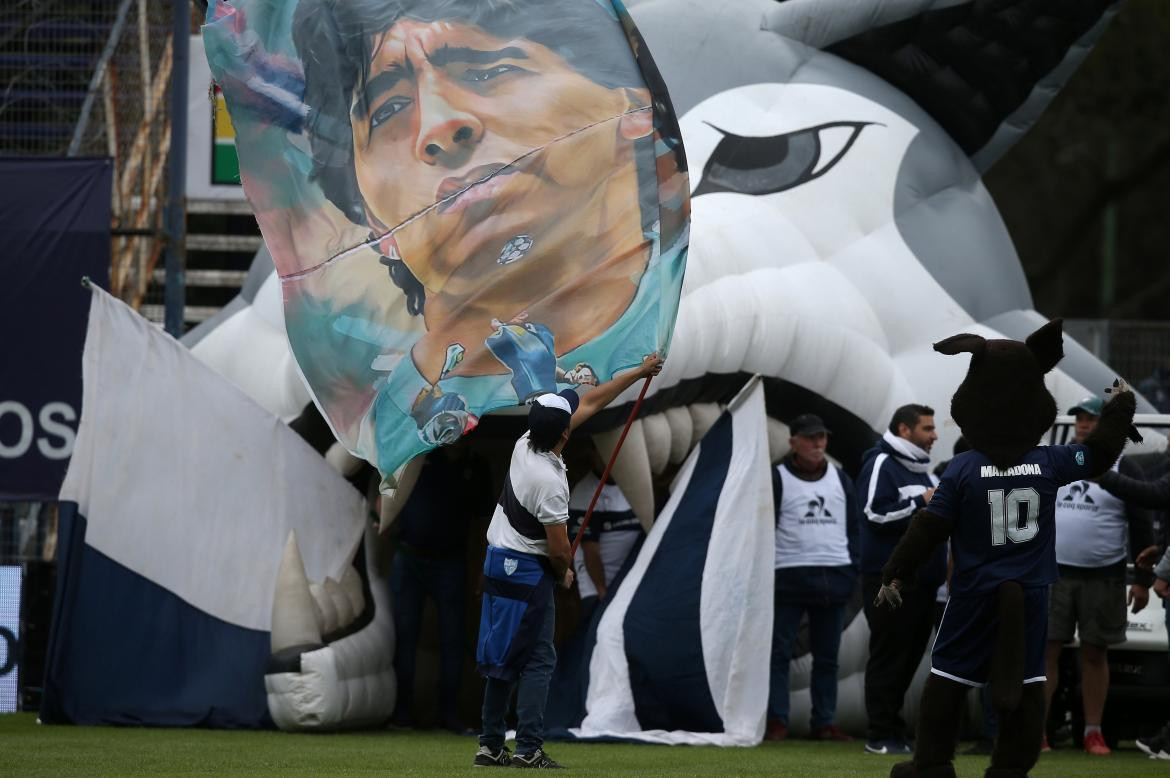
point(174, 294)
point(609, 467)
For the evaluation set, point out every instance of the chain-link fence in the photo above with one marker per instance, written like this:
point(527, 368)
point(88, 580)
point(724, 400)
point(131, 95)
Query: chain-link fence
point(130, 122)
point(48, 52)
point(92, 78)
point(1138, 350)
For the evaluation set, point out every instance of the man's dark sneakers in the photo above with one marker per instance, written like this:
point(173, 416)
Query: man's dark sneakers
point(485, 757)
point(538, 759)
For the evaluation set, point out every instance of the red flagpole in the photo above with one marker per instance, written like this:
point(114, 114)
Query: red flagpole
point(608, 467)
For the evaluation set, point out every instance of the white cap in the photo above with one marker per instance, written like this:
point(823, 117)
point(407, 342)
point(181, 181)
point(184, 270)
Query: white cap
point(551, 400)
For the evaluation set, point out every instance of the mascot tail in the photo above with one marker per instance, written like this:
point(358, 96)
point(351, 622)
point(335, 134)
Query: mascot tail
point(1007, 660)
point(1019, 706)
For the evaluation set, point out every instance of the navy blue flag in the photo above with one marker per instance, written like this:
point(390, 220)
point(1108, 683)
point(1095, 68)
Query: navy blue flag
point(679, 652)
point(54, 229)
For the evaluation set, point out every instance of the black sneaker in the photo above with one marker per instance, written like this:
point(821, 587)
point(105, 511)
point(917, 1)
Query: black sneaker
point(1154, 744)
point(1150, 745)
point(538, 759)
point(485, 757)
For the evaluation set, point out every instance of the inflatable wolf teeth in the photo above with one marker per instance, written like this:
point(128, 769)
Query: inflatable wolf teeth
point(996, 505)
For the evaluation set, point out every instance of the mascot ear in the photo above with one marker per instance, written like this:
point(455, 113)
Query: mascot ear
point(1047, 344)
point(957, 344)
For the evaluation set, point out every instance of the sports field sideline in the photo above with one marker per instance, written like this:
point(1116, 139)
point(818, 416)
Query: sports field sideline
point(30, 749)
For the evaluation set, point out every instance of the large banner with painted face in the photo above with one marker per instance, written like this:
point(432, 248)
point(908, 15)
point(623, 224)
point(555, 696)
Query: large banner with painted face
point(469, 202)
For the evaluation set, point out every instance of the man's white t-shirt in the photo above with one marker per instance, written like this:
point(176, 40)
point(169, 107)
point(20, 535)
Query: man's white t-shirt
point(1091, 525)
point(535, 494)
point(613, 525)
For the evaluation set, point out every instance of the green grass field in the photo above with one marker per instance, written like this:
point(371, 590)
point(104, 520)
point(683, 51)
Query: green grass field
point(29, 749)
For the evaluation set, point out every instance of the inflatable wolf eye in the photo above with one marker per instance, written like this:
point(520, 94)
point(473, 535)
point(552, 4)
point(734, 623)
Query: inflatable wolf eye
point(426, 169)
point(759, 166)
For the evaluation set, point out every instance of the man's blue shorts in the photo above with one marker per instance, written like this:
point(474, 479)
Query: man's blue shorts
point(966, 638)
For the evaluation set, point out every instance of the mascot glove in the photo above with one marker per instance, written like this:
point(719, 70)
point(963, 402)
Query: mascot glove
point(890, 594)
point(1120, 386)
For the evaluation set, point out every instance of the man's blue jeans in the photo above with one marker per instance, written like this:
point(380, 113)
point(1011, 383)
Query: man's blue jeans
point(824, 633)
point(531, 696)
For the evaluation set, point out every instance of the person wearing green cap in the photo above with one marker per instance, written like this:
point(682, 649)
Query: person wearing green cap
point(1087, 411)
point(1092, 527)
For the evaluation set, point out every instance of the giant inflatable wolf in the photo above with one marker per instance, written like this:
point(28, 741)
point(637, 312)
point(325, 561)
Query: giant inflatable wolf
point(839, 224)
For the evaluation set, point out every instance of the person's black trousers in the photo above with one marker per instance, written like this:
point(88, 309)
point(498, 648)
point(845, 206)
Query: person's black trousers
point(897, 639)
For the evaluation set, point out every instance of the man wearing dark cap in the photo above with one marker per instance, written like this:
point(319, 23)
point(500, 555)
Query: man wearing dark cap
point(816, 572)
point(1093, 530)
point(528, 550)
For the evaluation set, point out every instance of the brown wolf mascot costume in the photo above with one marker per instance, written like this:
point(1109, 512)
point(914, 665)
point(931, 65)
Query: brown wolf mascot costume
point(995, 504)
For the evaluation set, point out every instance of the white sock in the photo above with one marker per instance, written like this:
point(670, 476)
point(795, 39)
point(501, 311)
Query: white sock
point(1091, 728)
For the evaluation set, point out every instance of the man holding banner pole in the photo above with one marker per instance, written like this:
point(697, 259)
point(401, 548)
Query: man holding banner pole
point(528, 549)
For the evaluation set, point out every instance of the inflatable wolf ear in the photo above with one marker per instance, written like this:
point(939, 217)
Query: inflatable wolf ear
point(996, 505)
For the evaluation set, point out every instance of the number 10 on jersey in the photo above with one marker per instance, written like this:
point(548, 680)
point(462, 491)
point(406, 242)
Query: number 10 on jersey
point(1003, 530)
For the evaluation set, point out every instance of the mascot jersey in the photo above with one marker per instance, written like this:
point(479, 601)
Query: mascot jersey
point(1004, 521)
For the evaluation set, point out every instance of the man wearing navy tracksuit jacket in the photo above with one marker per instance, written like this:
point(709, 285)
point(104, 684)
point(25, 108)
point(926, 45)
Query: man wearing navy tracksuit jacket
point(894, 483)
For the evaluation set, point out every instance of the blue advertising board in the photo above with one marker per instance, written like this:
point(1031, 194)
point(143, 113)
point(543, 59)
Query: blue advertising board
point(54, 229)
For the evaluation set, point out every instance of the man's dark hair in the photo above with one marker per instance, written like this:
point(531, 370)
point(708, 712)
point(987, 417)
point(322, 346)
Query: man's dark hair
point(336, 39)
point(545, 430)
point(909, 415)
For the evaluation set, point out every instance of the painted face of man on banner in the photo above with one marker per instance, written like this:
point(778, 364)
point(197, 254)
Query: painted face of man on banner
point(454, 116)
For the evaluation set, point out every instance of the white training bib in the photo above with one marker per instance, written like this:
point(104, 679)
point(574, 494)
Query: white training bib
point(1091, 528)
point(811, 531)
